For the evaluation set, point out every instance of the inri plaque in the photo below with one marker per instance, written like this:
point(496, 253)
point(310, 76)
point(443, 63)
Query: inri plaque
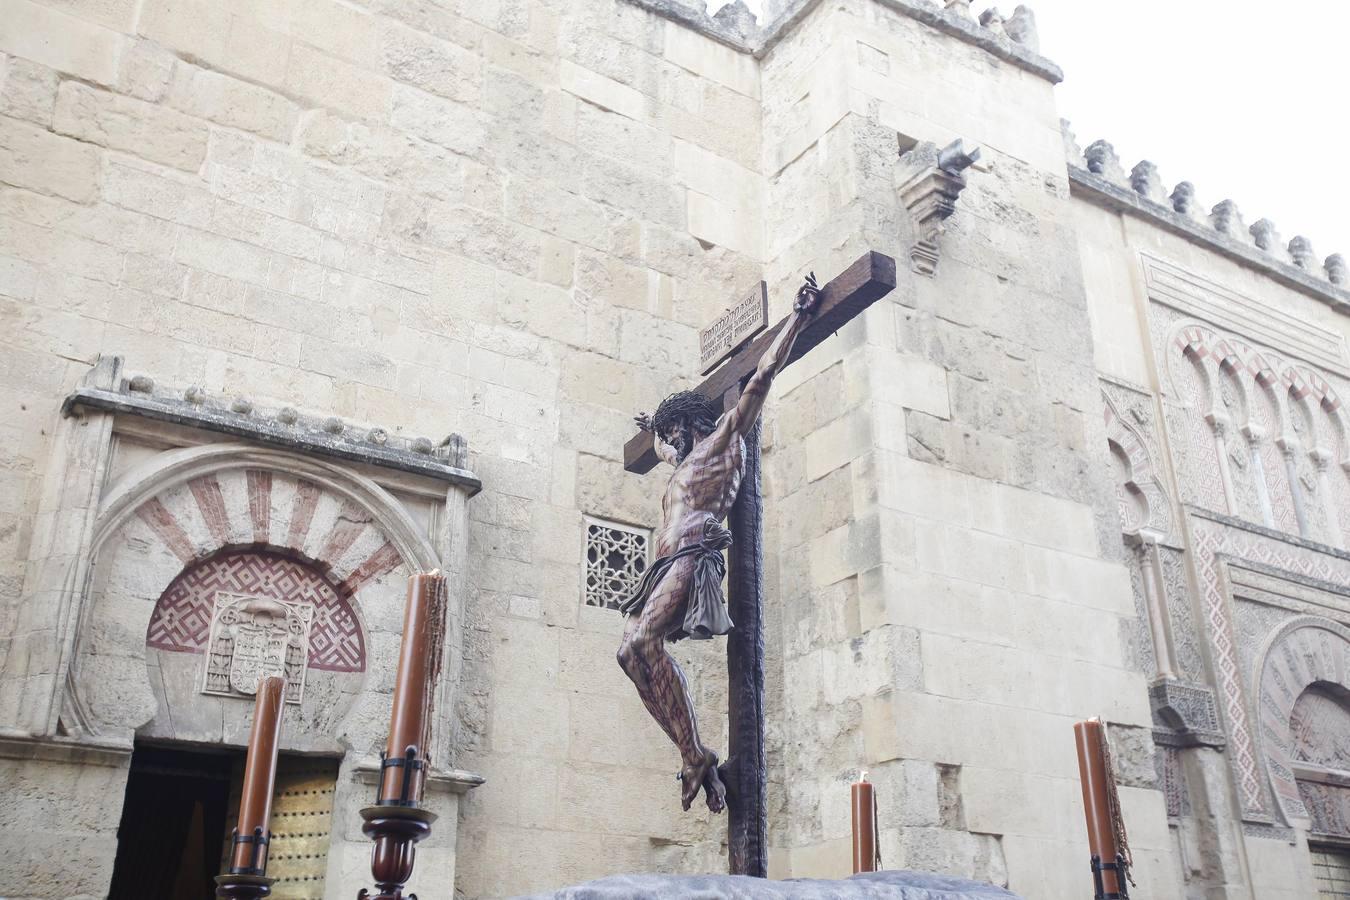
point(733, 328)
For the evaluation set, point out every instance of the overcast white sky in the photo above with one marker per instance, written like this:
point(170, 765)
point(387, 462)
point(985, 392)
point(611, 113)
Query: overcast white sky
point(1246, 99)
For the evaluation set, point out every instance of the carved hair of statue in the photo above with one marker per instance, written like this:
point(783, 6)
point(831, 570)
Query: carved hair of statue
point(686, 407)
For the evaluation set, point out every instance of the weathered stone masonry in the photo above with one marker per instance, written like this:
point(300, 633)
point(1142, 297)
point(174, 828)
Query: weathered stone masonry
point(273, 257)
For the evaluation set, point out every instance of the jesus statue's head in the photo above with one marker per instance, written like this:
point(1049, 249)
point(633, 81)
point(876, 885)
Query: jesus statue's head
point(685, 418)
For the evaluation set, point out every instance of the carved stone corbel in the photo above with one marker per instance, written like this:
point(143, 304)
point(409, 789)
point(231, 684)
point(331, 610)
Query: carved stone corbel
point(929, 181)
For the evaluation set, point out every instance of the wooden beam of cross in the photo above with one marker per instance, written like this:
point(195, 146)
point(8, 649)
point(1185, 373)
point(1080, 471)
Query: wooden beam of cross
point(870, 278)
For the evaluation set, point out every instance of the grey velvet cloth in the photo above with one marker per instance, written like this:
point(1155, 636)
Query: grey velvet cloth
point(892, 885)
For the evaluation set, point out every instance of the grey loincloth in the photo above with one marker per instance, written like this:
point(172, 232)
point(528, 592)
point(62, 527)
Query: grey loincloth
point(705, 612)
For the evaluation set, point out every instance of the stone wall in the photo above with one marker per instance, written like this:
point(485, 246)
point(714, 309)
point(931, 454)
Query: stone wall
point(507, 220)
point(1232, 346)
point(60, 802)
point(947, 552)
point(504, 220)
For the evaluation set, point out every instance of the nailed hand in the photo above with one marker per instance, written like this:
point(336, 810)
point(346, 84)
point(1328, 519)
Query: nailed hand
point(808, 296)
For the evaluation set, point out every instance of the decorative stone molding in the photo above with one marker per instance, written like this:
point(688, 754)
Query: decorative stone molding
point(1302, 652)
point(1258, 435)
point(1101, 180)
point(1144, 502)
point(320, 436)
point(182, 507)
point(930, 181)
point(1178, 287)
point(1218, 541)
point(1187, 715)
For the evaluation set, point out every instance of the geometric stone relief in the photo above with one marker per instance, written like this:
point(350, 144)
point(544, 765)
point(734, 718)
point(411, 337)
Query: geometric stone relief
point(253, 637)
point(1197, 296)
point(1163, 636)
point(1188, 714)
point(1320, 731)
point(1304, 653)
point(1319, 727)
point(181, 526)
point(1328, 807)
point(614, 558)
point(1185, 635)
point(1257, 435)
point(181, 621)
point(1173, 781)
point(1141, 496)
point(1218, 544)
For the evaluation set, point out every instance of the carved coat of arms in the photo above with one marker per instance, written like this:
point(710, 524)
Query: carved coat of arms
point(253, 636)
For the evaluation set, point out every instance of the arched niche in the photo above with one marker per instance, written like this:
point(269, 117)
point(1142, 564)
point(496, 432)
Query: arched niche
point(1141, 498)
point(1320, 727)
point(1303, 663)
point(187, 524)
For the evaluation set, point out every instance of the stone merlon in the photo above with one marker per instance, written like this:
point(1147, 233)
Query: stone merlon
point(1097, 174)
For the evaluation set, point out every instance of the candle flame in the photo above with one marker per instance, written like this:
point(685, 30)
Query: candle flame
point(862, 776)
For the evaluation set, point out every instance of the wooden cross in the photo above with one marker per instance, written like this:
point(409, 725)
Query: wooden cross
point(868, 279)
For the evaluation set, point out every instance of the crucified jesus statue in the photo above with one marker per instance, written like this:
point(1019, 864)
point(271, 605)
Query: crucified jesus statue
point(680, 594)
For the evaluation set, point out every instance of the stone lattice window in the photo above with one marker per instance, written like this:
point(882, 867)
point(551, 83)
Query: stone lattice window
point(614, 557)
point(1331, 872)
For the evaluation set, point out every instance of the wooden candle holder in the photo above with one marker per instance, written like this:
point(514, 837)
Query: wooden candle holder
point(396, 823)
point(396, 831)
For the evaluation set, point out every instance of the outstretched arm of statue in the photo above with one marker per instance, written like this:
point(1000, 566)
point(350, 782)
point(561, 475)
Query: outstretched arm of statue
point(663, 450)
point(740, 419)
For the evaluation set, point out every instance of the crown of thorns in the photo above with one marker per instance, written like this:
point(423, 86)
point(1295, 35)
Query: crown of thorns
point(689, 405)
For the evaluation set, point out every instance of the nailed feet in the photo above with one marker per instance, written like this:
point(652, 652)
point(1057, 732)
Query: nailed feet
point(703, 775)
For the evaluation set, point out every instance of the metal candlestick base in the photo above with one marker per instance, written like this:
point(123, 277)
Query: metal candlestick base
point(243, 887)
point(395, 831)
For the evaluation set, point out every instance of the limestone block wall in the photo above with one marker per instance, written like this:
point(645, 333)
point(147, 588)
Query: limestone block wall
point(947, 549)
point(504, 220)
point(61, 804)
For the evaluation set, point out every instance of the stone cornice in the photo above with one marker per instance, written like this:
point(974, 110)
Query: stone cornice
point(75, 751)
point(734, 27)
point(1119, 198)
point(288, 430)
point(1243, 525)
point(453, 781)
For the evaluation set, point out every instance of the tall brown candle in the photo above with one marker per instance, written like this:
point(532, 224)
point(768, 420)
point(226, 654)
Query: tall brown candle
point(1092, 774)
point(864, 826)
point(418, 663)
point(260, 775)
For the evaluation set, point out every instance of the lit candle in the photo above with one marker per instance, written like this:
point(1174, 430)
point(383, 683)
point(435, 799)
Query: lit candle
point(864, 826)
point(260, 775)
point(1092, 774)
point(418, 666)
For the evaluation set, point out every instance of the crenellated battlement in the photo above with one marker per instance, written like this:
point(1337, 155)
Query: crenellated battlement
point(1013, 38)
point(1097, 171)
